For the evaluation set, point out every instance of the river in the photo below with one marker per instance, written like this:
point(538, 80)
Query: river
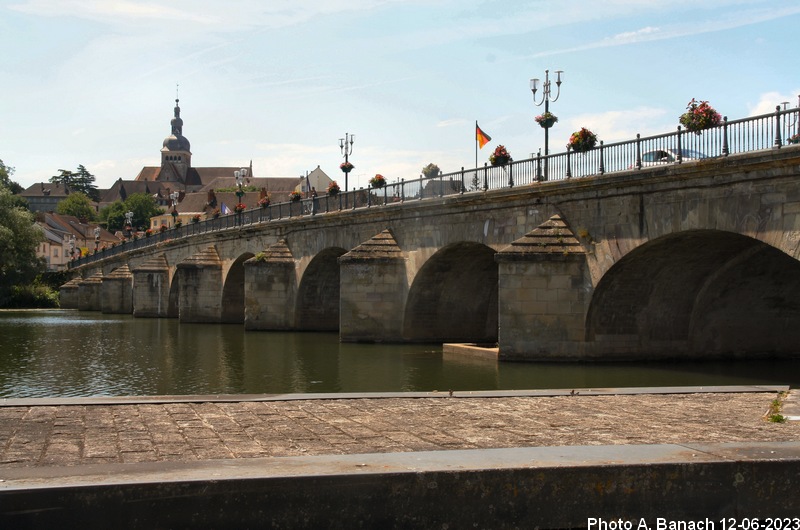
point(62, 353)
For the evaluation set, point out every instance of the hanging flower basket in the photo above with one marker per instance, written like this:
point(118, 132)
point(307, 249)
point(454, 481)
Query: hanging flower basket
point(178, 223)
point(431, 170)
point(378, 181)
point(546, 120)
point(500, 157)
point(333, 188)
point(264, 202)
point(295, 196)
point(239, 208)
point(699, 116)
point(216, 213)
point(582, 141)
point(196, 218)
point(794, 139)
point(346, 167)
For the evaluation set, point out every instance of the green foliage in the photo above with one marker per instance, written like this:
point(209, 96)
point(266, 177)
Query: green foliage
point(5, 179)
point(36, 295)
point(142, 205)
point(774, 414)
point(777, 418)
point(81, 181)
point(79, 205)
point(19, 237)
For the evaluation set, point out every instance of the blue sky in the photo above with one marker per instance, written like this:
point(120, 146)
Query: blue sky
point(93, 82)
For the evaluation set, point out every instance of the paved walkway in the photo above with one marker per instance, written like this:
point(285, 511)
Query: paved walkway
point(54, 433)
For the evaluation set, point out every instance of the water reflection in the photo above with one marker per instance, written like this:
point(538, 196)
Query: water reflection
point(69, 353)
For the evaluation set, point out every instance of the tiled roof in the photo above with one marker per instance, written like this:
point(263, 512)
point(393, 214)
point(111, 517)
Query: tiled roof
point(46, 189)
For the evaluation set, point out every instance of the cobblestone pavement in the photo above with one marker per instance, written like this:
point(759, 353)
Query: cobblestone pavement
point(66, 435)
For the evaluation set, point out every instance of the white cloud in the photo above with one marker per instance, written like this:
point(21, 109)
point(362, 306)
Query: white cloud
point(456, 122)
point(633, 36)
point(733, 19)
point(769, 100)
point(622, 125)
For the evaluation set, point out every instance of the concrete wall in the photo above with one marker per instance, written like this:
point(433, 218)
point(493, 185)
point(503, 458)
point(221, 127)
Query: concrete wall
point(539, 487)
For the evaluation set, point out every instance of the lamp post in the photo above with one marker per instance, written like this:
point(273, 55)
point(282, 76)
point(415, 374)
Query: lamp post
point(129, 222)
point(547, 97)
point(174, 196)
point(346, 145)
point(240, 175)
point(795, 120)
point(96, 238)
point(72, 247)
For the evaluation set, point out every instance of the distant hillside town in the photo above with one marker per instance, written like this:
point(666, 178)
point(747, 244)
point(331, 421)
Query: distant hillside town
point(182, 190)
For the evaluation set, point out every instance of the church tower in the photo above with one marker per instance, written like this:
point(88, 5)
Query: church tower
point(176, 155)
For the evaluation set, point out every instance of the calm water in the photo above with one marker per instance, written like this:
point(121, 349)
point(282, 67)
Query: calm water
point(68, 353)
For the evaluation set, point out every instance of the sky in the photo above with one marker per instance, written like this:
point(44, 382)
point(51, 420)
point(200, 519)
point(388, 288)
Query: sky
point(93, 82)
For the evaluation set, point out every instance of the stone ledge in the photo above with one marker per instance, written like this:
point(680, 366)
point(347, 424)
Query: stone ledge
point(542, 487)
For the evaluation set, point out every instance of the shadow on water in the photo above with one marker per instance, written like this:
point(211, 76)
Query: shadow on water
point(69, 353)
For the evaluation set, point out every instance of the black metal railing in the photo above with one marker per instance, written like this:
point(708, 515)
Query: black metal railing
point(755, 133)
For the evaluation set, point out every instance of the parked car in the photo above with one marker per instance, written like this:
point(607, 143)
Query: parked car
point(667, 156)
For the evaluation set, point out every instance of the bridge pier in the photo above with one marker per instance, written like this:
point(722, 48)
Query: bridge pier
point(373, 291)
point(89, 292)
point(200, 287)
point(69, 294)
point(270, 288)
point(544, 289)
point(151, 288)
point(116, 292)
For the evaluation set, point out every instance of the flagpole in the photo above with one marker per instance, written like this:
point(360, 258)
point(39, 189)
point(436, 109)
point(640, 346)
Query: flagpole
point(476, 144)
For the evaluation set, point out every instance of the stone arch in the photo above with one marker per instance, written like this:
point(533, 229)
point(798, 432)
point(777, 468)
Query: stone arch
point(699, 293)
point(233, 292)
point(318, 293)
point(454, 296)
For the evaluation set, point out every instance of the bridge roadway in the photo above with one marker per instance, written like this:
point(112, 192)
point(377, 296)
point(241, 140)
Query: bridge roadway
point(503, 459)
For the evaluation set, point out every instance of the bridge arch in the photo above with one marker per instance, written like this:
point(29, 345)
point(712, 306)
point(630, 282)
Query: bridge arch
point(233, 291)
point(454, 296)
point(173, 304)
point(317, 307)
point(700, 293)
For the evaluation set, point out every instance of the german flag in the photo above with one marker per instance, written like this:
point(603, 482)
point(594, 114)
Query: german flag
point(481, 136)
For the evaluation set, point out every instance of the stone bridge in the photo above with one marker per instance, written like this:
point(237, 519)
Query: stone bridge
point(690, 260)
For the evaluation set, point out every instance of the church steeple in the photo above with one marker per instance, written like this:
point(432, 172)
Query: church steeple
point(176, 151)
point(177, 122)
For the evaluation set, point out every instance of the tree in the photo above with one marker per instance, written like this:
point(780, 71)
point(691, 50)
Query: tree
point(5, 178)
point(142, 205)
point(78, 205)
point(81, 181)
point(19, 237)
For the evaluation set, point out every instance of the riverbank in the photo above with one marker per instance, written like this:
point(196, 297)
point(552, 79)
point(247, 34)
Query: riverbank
point(499, 459)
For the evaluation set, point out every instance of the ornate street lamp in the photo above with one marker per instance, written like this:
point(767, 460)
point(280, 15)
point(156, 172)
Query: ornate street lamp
point(129, 222)
point(72, 247)
point(240, 175)
point(547, 97)
point(96, 238)
point(174, 196)
point(346, 145)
